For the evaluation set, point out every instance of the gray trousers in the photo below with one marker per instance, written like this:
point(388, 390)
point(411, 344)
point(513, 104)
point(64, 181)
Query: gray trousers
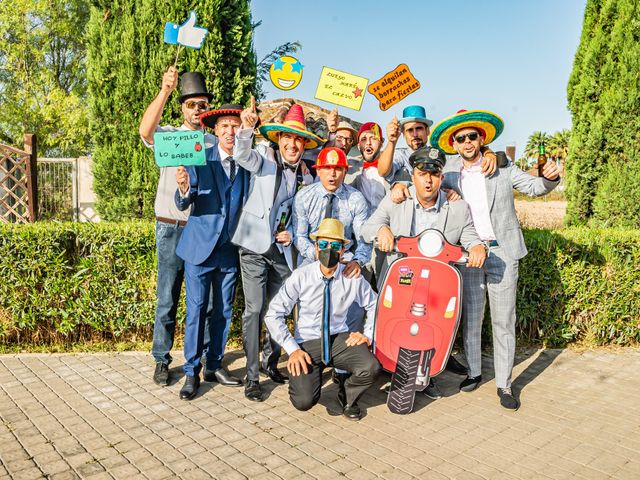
point(498, 278)
point(262, 277)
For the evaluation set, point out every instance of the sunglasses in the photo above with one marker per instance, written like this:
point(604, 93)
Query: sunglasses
point(322, 244)
point(471, 136)
point(191, 104)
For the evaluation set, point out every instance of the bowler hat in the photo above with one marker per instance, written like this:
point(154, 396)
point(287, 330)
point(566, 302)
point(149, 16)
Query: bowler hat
point(192, 84)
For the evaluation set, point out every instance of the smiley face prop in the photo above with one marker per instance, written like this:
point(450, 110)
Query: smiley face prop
point(286, 72)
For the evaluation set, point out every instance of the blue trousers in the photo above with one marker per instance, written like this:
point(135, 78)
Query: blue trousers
point(168, 286)
point(204, 282)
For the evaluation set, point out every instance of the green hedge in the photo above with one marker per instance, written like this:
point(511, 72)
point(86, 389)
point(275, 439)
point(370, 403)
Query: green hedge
point(63, 283)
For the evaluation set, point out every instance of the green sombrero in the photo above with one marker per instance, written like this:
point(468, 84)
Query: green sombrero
point(294, 123)
point(489, 124)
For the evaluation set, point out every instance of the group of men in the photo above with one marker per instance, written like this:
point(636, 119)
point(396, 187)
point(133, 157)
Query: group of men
point(303, 240)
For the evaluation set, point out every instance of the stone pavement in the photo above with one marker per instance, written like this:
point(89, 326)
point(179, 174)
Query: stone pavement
point(101, 416)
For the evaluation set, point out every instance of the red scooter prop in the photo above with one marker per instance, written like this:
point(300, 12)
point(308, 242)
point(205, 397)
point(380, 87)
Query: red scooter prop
point(418, 314)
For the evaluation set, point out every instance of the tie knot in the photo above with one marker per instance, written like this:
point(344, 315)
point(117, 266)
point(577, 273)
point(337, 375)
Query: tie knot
point(327, 281)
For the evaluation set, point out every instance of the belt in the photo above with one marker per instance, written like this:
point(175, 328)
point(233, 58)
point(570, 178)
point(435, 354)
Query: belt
point(492, 243)
point(171, 221)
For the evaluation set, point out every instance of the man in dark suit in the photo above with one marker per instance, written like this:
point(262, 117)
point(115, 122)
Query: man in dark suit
point(215, 192)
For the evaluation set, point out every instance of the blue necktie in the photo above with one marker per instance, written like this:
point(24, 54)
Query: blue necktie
point(326, 322)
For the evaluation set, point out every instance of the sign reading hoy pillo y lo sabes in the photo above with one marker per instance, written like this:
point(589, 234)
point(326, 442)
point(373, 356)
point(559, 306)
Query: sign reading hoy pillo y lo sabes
point(172, 149)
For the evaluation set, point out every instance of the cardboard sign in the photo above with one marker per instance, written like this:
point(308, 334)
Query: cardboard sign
point(187, 34)
point(341, 88)
point(171, 149)
point(286, 72)
point(394, 86)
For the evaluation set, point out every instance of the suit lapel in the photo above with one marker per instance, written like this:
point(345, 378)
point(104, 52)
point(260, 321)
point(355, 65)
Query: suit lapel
point(491, 184)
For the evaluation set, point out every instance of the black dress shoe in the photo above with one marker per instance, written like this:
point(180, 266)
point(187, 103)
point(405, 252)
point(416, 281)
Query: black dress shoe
point(190, 388)
point(161, 374)
point(253, 391)
point(469, 384)
point(432, 391)
point(275, 375)
point(352, 412)
point(222, 377)
point(454, 366)
point(507, 400)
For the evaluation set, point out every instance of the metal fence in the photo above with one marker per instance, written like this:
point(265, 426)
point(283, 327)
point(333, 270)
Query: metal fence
point(58, 189)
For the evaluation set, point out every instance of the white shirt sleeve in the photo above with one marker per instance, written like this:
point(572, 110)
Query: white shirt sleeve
point(281, 306)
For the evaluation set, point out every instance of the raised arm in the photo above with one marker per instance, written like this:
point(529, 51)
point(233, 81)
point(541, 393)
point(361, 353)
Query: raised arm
point(153, 113)
point(385, 160)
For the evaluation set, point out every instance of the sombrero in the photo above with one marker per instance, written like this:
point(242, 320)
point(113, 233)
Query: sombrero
point(489, 124)
point(293, 123)
point(209, 119)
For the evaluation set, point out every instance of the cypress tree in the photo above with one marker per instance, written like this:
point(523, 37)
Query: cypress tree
point(603, 166)
point(125, 63)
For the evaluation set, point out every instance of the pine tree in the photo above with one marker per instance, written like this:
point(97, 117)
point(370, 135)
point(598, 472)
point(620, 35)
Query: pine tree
point(126, 60)
point(603, 165)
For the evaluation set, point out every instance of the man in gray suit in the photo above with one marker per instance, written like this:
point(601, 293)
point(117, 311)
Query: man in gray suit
point(491, 202)
point(427, 208)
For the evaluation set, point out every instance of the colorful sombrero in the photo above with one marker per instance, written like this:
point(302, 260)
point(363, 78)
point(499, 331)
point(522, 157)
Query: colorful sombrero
point(293, 123)
point(489, 124)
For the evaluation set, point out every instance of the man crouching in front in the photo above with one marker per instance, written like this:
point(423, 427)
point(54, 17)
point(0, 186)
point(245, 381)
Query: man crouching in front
point(321, 337)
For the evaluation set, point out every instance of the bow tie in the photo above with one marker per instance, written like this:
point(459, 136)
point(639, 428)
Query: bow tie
point(293, 168)
point(366, 165)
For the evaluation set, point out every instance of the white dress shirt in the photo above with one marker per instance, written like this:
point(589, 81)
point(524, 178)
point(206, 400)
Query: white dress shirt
point(424, 218)
point(225, 162)
point(474, 191)
point(305, 287)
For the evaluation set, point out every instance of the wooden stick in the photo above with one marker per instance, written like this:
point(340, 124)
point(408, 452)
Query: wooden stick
point(178, 53)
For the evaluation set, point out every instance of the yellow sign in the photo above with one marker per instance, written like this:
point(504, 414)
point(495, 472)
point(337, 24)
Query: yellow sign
point(394, 86)
point(341, 88)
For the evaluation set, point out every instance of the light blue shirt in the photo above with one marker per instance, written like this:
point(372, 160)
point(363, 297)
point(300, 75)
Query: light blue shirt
point(305, 287)
point(349, 206)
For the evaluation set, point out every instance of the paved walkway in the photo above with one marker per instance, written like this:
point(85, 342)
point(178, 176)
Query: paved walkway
point(100, 416)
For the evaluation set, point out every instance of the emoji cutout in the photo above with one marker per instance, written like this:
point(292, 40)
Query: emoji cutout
point(286, 72)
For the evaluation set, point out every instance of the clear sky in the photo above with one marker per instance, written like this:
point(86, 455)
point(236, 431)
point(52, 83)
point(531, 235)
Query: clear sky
point(513, 57)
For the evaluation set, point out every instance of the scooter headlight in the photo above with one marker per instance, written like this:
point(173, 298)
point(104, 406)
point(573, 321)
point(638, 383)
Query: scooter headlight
point(431, 243)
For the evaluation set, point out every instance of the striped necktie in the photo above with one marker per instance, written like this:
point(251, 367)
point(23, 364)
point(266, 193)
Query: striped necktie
point(232, 169)
point(326, 322)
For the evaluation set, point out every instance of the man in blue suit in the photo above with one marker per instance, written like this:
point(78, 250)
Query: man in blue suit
point(216, 193)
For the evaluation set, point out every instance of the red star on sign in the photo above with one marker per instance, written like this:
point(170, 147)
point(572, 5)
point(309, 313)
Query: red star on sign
point(357, 92)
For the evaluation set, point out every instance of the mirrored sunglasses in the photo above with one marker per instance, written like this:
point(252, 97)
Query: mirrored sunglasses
point(322, 244)
point(191, 104)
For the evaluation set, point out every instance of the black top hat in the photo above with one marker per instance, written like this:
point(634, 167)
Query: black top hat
point(209, 119)
point(192, 84)
point(428, 159)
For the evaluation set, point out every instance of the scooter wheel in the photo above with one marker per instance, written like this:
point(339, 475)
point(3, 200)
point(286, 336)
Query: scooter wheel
point(402, 392)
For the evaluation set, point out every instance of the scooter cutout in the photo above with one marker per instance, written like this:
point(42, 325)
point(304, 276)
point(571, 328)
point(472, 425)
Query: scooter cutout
point(418, 314)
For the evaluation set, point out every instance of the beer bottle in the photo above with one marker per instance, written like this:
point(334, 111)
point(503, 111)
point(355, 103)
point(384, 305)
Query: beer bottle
point(542, 158)
point(282, 224)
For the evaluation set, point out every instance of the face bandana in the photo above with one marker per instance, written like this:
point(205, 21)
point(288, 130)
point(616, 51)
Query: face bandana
point(329, 257)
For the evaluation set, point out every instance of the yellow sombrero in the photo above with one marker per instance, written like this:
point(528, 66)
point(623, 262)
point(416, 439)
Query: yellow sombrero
point(489, 124)
point(294, 122)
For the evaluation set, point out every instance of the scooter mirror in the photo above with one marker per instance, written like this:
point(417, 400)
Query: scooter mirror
point(431, 243)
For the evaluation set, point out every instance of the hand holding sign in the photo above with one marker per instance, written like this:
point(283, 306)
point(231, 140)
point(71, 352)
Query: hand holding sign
point(393, 130)
point(249, 116)
point(182, 178)
point(332, 120)
point(186, 34)
point(170, 79)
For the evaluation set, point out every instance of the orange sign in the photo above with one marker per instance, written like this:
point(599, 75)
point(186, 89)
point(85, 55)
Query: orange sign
point(394, 86)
